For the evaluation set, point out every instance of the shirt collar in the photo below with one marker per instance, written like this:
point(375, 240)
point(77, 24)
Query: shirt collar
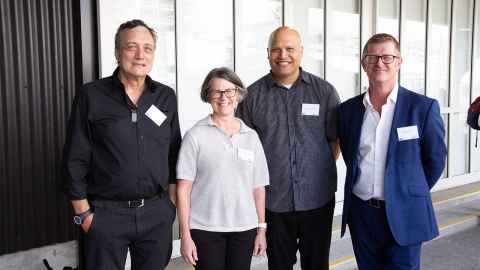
point(391, 99)
point(304, 77)
point(119, 85)
point(207, 121)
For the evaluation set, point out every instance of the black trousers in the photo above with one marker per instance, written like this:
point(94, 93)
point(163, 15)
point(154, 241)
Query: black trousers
point(308, 231)
point(224, 250)
point(146, 231)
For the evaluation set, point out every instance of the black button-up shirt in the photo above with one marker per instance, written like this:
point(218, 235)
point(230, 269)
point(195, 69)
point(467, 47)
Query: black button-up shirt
point(113, 150)
point(295, 138)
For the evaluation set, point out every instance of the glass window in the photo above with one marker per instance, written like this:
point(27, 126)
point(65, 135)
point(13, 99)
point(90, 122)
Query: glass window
point(460, 87)
point(412, 73)
point(343, 47)
point(254, 21)
point(438, 51)
point(462, 41)
point(307, 16)
point(459, 144)
point(157, 14)
point(387, 21)
point(205, 41)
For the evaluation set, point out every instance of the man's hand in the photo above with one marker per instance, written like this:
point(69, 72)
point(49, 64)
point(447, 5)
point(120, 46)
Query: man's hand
point(87, 223)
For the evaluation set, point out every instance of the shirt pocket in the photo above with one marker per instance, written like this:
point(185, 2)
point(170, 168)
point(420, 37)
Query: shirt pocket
point(408, 151)
point(160, 134)
point(313, 127)
point(108, 125)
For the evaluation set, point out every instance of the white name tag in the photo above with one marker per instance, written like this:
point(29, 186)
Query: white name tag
point(245, 154)
point(407, 133)
point(310, 109)
point(155, 115)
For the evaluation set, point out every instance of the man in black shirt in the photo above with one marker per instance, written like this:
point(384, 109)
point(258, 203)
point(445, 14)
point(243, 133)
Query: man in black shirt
point(120, 154)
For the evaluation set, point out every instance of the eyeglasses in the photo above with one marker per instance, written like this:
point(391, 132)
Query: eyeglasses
point(229, 93)
point(373, 59)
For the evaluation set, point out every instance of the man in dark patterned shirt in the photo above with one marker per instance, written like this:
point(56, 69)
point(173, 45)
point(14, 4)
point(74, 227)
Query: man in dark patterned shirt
point(294, 113)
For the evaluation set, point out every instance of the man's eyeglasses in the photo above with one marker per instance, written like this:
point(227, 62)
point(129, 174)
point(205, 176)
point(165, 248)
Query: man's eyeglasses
point(229, 93)
point(373, 59)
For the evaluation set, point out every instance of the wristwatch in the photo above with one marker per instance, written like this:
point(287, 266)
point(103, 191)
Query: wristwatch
point(80, 218)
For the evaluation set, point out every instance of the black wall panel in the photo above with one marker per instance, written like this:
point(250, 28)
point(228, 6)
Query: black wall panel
point(40, 70)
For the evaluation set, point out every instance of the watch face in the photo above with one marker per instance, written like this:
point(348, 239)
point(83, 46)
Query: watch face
point(77, 220)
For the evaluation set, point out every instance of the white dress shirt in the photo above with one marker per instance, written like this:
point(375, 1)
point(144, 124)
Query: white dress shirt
point(373, 147)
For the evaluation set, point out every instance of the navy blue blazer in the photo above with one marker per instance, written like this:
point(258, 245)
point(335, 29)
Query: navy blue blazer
point(412, 167)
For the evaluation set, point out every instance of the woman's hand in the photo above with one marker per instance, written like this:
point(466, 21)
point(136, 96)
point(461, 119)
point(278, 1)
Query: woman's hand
point(260, 245)
point(188, 250)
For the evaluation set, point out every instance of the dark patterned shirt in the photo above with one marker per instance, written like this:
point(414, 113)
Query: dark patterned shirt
point(295, 126)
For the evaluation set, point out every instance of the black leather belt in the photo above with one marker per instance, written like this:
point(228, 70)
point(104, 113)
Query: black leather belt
point(126, 204)
point(375, 203)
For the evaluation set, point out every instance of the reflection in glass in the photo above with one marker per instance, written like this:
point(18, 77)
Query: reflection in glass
point(254, 21)
point(307, 16)
point(460, 91)
point(438, 51)
point(205, 41)
point(459, 144)
point(462, 32)
point(387, 21)
point(343, 46)
point(412, 74)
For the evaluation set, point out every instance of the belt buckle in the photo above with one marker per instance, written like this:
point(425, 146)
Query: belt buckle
point(136, 203)
point(375, 203)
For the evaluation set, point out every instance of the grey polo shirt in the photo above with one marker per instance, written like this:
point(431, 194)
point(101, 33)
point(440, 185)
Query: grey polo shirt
point(225, 170)
point(295, 126)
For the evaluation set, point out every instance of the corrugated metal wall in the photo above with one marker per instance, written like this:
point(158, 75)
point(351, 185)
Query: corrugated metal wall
point(38, 78)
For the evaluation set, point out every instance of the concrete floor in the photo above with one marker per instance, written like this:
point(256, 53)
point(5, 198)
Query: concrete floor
point(459, 251)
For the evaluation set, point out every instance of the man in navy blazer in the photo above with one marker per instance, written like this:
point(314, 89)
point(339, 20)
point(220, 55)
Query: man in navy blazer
point(392, 141)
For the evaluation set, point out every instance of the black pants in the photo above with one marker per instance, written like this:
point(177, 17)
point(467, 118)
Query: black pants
point(224, 250)
point(146, 231)
point(308, 231)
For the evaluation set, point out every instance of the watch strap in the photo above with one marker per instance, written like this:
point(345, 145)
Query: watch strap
point(80, 218)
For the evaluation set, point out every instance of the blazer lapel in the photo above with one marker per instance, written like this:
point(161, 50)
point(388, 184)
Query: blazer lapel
point(396, 122)
point(356, 128)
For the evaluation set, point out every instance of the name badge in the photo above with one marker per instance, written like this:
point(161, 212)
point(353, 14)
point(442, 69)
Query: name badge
point(407, 133)
point(246, 154)
point(310, 109)
point(155, 115)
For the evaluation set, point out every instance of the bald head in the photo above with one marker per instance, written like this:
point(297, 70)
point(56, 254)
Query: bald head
point(284, 30)
point(285, 53)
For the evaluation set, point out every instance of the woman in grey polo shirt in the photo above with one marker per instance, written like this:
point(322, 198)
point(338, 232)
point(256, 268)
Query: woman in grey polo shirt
point(222, 173)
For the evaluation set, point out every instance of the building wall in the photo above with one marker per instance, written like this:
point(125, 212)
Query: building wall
point(38, 79)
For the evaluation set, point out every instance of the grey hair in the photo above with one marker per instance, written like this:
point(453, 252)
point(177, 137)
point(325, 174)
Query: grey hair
point(226, 74)
point(132, 24)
